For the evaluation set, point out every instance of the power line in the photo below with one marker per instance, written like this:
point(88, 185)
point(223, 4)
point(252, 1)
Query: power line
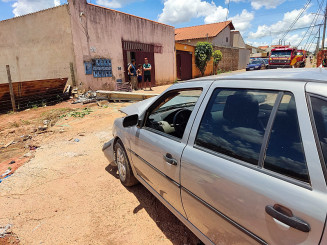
point(312, 24)
point(297, 18)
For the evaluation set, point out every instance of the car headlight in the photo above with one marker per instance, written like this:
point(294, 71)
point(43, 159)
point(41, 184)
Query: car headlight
point(257, 67)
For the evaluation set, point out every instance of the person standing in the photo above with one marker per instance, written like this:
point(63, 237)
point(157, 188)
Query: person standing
point(132, 75)
point(324, 61)
point(139, 76)
point(147, 73)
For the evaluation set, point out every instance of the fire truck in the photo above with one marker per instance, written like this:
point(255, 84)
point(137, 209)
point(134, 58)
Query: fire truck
point(285, 57)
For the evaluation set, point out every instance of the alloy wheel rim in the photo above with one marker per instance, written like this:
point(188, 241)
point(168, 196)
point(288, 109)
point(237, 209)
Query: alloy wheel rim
point(121, 164)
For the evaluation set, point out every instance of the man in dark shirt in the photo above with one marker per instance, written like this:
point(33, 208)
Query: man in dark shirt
point(132, 75)
point(147, 73)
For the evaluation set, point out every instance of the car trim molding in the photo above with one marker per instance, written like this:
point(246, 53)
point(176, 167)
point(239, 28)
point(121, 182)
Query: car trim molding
point(255, 237)
point(269, 126)
point(229, 220)
point(315, 133)
point(256, 168)
point(154, 168)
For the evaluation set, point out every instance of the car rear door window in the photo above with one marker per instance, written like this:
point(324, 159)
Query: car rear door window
point(234, 122)
point(319, 108)
point(170, 114)
point(285, 154)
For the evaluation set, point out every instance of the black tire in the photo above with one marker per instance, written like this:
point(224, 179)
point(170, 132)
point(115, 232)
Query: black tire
point(125, 171)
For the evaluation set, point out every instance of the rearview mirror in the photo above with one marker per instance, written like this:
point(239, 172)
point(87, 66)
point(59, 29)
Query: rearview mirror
point(130, 121)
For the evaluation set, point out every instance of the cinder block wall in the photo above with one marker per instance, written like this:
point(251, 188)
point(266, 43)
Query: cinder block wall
point(37, 46)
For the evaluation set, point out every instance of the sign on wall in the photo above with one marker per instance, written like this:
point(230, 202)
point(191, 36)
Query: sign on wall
point(98, 67)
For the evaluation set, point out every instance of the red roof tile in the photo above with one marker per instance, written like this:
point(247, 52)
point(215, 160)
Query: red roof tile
point(202, 31)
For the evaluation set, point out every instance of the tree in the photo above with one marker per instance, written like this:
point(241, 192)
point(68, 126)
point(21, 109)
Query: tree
point(217, 56)
point(203, 53)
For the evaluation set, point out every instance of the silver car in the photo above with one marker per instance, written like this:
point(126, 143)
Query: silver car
point(239, 160)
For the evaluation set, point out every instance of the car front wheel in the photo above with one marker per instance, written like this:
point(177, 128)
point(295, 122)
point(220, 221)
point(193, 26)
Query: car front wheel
point(126, 175)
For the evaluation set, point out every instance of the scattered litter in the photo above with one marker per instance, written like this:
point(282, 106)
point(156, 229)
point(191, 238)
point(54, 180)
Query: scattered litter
point(46, 122)
point(8, 171)
point(76, 140)
point(88, 97)
point(28, 154)
point(42, 128)
point(61, 131)
point(33, 147)
point(12, 162)
point(8, 144)
point(26, 137)
point(4, 230)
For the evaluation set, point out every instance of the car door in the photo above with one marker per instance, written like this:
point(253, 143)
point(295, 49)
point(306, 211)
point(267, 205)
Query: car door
point(158, 144)
point(250, 172)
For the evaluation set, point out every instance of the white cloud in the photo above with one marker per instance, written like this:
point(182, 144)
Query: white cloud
point(179, 11)
point(283, 25)
point(114, 3)
point(243, 21)
point(257, 4)
point(268, 4)
point(257, 44)
point(21, 7)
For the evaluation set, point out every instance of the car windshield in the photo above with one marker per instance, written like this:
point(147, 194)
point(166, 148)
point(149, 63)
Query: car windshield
point(255, 62)
point(281, 53)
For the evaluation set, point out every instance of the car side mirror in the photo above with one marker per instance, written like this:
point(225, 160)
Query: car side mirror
point(130, 121)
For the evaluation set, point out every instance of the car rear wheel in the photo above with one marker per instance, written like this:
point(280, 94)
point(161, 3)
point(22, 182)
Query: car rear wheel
point(126, 175)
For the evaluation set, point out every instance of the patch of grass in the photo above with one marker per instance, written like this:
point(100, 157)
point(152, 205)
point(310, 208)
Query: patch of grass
point(77, 113)
point(25, 122)
point(14, 124)
point(54, 115)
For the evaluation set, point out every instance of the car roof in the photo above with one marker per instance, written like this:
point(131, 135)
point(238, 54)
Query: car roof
point(289, 74)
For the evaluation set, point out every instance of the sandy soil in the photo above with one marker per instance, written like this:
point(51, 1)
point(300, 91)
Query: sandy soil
point(68, 194)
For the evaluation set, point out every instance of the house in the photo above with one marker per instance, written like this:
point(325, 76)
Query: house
point(222, 35)
point(88, 44)
point(257, 52)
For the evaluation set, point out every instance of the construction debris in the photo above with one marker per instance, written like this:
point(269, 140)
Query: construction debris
point(4, 230)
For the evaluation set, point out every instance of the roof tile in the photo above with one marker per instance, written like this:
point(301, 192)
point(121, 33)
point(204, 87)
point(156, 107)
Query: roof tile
point(201, 31)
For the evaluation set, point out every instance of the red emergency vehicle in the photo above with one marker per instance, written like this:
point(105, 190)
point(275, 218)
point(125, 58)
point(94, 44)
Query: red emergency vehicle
point(282, 57)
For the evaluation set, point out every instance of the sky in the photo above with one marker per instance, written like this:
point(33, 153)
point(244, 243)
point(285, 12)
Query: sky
point(261, 22)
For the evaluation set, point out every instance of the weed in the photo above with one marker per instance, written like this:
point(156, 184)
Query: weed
point(81, 114)
point(14, 124)
point(54, 115)
point(9, 168)
point(25, 122)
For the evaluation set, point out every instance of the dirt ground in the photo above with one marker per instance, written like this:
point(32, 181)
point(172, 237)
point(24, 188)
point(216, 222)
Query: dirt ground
point(65, 192)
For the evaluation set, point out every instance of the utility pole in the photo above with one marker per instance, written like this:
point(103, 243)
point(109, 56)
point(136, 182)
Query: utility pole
point(324, 33)
point(11, 89)
point(318, 43)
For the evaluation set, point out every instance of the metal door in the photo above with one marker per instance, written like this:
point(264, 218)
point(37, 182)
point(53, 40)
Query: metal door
point(232, 202)
point(156, 155)
point(184, 65)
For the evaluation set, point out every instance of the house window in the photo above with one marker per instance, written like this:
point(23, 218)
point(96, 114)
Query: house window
point(226, 39)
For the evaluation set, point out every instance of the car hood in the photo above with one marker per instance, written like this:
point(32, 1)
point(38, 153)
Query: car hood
point(139, 107)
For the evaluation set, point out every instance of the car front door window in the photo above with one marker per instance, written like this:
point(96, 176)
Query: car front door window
point(170, 114)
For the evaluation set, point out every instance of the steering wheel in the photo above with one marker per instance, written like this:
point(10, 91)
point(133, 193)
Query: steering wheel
point(180, 120)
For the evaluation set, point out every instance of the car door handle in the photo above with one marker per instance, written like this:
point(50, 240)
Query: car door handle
point(169, 159)
point(286, 216)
